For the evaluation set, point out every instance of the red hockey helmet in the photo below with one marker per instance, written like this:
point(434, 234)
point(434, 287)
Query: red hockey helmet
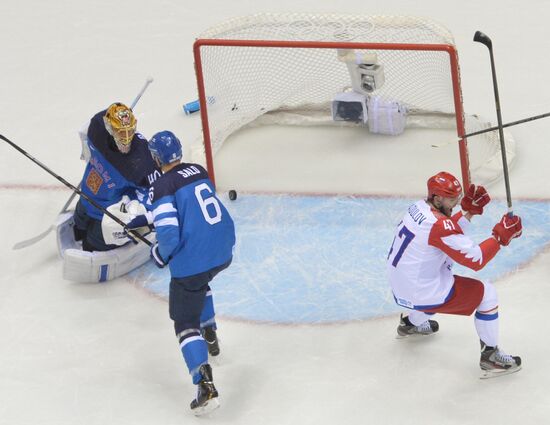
point(444, 184)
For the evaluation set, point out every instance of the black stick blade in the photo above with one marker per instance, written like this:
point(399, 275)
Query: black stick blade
point(483, 39)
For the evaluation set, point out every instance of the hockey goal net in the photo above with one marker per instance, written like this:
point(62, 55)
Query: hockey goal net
point(288, 69)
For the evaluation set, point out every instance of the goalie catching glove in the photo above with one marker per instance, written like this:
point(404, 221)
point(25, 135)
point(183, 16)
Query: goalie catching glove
point(475, 198)
point(507, 229)
point(133, 214)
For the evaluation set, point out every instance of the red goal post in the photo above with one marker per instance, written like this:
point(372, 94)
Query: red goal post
point(246, 68)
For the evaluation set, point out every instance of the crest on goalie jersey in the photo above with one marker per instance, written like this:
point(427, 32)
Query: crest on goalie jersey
point(94, 181)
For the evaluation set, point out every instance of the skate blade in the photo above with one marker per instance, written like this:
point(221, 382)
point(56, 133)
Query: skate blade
point(495, 373)
point(414, 336)
point(399, 336)
point(210, 406)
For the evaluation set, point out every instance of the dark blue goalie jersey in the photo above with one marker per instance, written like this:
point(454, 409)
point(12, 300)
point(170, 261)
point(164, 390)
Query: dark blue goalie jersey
point(110, 174)
point(195, 232)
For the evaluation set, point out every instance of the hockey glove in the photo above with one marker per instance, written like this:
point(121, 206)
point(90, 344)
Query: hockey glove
point(507, 229)
point(155, 255)
point(141, 224)
point(475, 198)
point(139, 221)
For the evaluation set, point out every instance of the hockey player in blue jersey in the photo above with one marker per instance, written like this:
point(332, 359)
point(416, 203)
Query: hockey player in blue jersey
point(195, 237)
point(119, 164)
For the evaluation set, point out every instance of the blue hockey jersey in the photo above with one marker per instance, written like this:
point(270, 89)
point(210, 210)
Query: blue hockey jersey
point(195, 232)
point(110, 174)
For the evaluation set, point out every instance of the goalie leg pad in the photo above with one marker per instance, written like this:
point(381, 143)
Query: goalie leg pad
point(96, 266)
point(100, 266)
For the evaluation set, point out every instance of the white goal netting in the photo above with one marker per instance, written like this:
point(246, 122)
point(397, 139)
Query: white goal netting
point(288, 68)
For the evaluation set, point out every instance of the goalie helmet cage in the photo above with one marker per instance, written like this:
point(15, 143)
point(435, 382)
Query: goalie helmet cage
point(256, 65)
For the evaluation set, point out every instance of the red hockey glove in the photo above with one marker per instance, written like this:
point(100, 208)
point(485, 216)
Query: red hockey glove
point(475, 198)
point(507, 229)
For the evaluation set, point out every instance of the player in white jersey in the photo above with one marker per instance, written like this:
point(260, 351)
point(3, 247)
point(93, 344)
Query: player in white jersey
point(427, 242)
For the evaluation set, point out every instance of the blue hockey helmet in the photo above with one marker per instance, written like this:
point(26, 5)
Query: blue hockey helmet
point(165, 147)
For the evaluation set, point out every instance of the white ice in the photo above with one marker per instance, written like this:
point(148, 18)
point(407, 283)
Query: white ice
point(105, 354)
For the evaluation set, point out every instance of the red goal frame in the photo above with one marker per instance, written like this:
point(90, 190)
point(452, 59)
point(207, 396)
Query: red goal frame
point(449, 49)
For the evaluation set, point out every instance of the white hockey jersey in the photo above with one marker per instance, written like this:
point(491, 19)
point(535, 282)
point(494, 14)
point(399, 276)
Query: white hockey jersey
point(422, 254)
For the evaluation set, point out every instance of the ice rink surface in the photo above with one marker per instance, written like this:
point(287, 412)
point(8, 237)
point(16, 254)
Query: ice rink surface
point(105, 354)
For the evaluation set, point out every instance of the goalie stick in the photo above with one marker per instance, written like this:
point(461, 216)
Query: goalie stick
point(38, 238)
point(136, 100)
point(479, 37)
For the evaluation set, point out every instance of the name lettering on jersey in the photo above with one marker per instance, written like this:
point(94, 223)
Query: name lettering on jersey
point(416, 215)
point(189, 171)
point(153, 176)
point(100, 169)
point(448, 225)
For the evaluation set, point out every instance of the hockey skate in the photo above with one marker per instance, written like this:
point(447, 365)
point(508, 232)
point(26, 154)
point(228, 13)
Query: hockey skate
point(211, 338)
point(207, 395)
point(406, 328)
point(495, 362)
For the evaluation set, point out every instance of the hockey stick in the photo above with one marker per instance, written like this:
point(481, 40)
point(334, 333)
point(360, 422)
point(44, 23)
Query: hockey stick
point(136, 100)
point(484, 39)
point(82, 194)
point(510, 124)
point(37, 238)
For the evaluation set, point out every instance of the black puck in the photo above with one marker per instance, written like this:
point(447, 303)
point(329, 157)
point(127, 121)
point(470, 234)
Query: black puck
point(232, 195)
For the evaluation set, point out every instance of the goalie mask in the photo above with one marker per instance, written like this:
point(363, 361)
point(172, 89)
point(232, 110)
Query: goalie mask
point(120, 122)
point(165, 147)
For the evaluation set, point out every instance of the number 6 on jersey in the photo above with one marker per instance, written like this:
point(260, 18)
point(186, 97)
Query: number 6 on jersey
point(208, 201)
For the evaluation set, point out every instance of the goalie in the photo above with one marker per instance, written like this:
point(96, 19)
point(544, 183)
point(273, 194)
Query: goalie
point(119, 167)
point(118, 173)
